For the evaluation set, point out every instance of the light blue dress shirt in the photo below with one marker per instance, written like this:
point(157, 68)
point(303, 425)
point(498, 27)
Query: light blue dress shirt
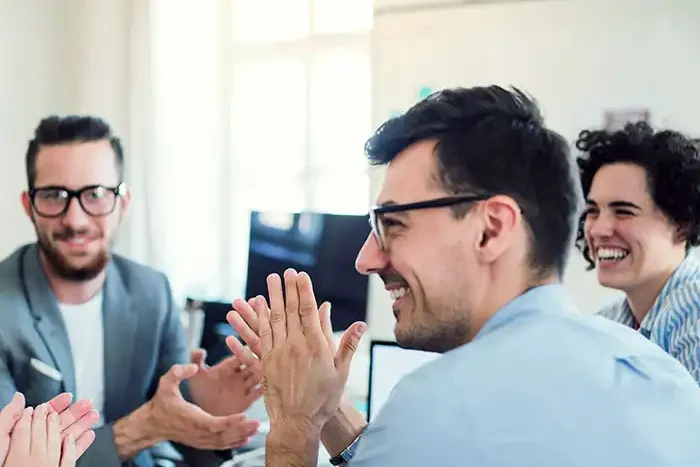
point(673, 322)
point(542, 385)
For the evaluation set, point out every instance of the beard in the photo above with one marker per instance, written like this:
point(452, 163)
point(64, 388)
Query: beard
point(435, 332)
point(62, 266)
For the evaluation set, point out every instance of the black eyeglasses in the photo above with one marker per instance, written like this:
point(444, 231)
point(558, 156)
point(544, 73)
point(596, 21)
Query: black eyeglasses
point(96, 200)
point(375, 213)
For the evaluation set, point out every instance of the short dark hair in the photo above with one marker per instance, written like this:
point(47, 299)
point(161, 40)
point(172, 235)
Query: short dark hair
point(56, 130)
point(670, 160)
point(493, 140)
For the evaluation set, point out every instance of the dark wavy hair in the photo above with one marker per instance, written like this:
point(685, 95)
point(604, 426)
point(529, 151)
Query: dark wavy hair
point(494, 140)
point(670, 160)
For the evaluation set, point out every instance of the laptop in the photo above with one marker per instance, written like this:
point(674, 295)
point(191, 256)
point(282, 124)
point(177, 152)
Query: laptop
point(388, 363)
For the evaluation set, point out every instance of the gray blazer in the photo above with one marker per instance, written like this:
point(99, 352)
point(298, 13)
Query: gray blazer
point(143, 338)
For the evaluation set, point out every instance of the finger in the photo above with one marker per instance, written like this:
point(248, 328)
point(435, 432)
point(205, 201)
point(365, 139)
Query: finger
point(83, 443)
point(171, 380)
point(324, 317)
point(21, 434)
point(265, 330)
point(240, 324)
point(60, 402)
point(71, 415)
point(278, 322)
point(307, 308)
point(198, 357)
point(53, 439)
point(240, 428)
point(68, 454)
point(37, 444)
point(81, 426)
point(348, 346)
point(245, 356)
point(11, 413)
point(291, 307)
point(247, 311)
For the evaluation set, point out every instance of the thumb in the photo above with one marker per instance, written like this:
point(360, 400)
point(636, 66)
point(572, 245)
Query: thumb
point(177, 373)
point(348, 346)
point(11, 413)
point(198, 357)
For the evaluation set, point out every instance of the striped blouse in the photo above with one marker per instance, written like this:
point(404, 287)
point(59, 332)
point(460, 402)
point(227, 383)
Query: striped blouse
point(673, 322)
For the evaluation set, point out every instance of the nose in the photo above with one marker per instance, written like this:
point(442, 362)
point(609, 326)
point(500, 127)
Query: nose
point(75, 216)
point(600, 227)
point(371, 259)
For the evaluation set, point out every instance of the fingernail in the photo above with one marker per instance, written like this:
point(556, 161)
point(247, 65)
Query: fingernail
point(361, 329)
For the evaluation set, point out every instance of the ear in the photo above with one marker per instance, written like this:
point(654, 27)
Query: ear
point(125, 201)
point(681, 233)
point(27, 205)
point(501, 214)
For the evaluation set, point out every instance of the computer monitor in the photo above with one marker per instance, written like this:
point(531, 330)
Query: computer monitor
point(321, 244)
point(388, 363)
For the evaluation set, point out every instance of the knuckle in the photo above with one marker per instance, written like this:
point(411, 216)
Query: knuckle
point(276, 317)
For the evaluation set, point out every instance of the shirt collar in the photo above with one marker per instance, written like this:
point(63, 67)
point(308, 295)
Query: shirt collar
point(689, 269)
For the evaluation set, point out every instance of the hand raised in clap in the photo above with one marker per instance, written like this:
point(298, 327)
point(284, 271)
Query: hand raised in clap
point(303, 377)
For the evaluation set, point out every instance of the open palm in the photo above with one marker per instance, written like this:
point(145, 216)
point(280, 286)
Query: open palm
point(225, 388)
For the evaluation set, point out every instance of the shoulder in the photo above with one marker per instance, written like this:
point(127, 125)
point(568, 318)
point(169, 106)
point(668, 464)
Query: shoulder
point(10, 266)
point(679, 314)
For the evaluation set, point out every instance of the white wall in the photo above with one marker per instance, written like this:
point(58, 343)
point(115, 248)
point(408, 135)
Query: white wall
point(25, 93)
point(578, 57)
point(57, 58)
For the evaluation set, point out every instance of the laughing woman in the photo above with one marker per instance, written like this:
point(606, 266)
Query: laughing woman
point(642, 217)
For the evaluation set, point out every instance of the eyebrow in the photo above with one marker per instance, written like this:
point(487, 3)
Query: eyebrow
point(615, 204)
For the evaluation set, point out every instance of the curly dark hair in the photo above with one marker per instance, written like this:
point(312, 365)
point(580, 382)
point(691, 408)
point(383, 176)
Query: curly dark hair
point(670, 160)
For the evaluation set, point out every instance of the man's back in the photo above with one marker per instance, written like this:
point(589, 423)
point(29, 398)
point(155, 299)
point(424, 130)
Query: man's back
point(542, 386)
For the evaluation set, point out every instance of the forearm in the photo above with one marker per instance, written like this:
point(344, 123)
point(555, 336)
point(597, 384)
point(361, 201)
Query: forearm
point(135, 432)
point(341, 430)
point(291, 448)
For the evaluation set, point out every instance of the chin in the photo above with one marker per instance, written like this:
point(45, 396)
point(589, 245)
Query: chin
point(608, 280)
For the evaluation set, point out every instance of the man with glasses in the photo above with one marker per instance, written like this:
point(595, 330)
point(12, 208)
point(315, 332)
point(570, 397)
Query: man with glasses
point(74, 317)
point(471, 235)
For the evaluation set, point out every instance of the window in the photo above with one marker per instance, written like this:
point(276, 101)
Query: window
point(300, 111)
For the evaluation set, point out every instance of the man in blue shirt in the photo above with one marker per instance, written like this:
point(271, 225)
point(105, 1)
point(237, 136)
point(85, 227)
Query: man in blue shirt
point(470, 235)
point(642, 217)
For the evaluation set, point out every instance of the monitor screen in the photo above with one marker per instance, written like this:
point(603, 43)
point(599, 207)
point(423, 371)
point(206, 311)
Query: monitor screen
point(388, 363)
point(323, 245)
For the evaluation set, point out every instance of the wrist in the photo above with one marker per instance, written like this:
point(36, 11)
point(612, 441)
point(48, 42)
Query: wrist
point(298, 443)
point(137, 431)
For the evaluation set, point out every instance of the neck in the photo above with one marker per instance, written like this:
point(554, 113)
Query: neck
point(72, 292)
point(641, 297)
point(503, 292)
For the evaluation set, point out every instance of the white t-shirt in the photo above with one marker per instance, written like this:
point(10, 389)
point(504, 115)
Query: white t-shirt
point(86, 337)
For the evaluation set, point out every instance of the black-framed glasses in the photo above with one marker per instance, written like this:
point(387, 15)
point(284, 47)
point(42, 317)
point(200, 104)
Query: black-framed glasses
point(96, 200)
point(379, 228)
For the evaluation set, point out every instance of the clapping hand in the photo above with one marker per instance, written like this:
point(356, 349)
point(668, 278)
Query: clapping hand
point(303, 376)
point(52, 435)
point(175, 419)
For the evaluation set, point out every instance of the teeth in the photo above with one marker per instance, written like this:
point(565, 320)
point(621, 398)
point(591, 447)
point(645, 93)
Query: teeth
point(612, 254)
point(398, 293)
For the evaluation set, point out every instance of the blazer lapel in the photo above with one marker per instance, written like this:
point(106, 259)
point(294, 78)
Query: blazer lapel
point(120, 327)
point(47, 317)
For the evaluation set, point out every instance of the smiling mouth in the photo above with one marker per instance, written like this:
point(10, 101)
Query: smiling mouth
point(399, 292)
point(607, 255)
